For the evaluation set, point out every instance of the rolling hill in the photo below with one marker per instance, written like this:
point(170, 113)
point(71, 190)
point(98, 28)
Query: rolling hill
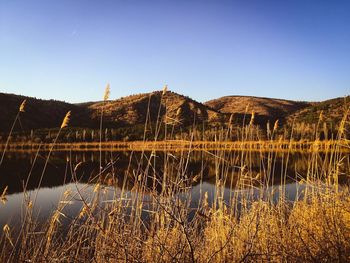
point(39, 113)
point(132, 111)
point(264, 108)
point(332, 111)
point(124, 112)
point(171, 107)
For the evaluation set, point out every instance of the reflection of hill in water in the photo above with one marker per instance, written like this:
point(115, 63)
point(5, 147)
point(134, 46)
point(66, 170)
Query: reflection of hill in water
point(127, 168)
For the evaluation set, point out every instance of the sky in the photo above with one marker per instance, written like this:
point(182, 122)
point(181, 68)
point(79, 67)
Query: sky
point(70, 49)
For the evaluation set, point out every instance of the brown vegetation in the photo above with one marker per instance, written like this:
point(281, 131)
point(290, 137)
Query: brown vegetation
point(171, 108)
point(133, 109)
point(154, 221)
point(266, 109)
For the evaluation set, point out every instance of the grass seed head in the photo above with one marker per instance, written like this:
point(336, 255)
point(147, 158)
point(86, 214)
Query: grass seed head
point(275, 126)
point(107, 92)
point(96, 188)
point(6, 228)
point(178, 112)
point(252, 118)
point(3, 198)
point(321, 116)
point(165, 89)
point(66, 120)
point(83, 211)
point(22, 106)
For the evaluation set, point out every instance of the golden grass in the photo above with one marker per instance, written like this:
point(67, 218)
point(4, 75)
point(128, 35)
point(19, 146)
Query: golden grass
point(20, 109)
point(150, 224)
point(66, 119)
point(107, 93)
point(22, 106)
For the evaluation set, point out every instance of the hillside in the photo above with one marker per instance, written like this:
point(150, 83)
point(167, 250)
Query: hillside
point(332, 111)
point(172, 107)
point(264, 108)
point(128, 114)
point(39, 113)
point(123, 112)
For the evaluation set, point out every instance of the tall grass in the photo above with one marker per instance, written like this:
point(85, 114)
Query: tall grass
point(156, 221)
point(105, 99)
point(20, 110)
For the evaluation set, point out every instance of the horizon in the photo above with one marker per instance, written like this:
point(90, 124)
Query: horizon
point(170, 90)
point(205, 49)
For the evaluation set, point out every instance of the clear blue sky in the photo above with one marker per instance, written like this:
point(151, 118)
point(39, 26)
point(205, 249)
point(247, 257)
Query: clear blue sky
point(69, 49)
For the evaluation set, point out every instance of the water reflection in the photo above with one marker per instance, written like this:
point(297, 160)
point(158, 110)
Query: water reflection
point(24, 170)
point(198, 171)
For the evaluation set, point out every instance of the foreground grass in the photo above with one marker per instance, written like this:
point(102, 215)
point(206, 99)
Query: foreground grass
point(316, 229)
point(154, 222)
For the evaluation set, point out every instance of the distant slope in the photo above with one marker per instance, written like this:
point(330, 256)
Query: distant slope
point(264, 108)
point(332, 111)
point(124, 112)
point(39, 113)
point(172, 107)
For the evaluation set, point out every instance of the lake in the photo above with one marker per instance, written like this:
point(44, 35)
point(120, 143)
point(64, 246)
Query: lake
point(116, 173)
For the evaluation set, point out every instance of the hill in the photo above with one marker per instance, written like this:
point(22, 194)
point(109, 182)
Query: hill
point(39, 113)
point(127, 116)
point(124, 112)
point(264, 108)
point(172, 108)
point(332, 111)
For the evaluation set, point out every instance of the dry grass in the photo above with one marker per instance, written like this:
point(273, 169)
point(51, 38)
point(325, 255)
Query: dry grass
point(154, 222)
point(268, 107)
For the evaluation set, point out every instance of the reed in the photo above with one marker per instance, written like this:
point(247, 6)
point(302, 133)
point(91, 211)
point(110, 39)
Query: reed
point(155, 220)
point(20, 110)
point(105, 99)
point(64, 124)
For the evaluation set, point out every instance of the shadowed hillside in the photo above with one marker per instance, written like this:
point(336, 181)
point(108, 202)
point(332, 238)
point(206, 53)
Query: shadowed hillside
point(124, 112)
point(332, 111)
point(264, 108)
point(39, 113)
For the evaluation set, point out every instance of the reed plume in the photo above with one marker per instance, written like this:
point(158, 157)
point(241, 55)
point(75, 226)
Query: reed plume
point(275, 126)
point(7, 230)
point(66, 120)
point(107, 92)
point(252, 118)
point(20, 109)
point(22, 106)
point(321, 116)
point(165, 89)
point(3, 198)
point(64, 124)
point(158, 121)
point(105, 98)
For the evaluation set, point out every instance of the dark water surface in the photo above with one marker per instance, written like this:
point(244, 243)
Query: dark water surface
point(79, 172)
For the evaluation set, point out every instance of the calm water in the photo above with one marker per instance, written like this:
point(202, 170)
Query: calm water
point(80, 171)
